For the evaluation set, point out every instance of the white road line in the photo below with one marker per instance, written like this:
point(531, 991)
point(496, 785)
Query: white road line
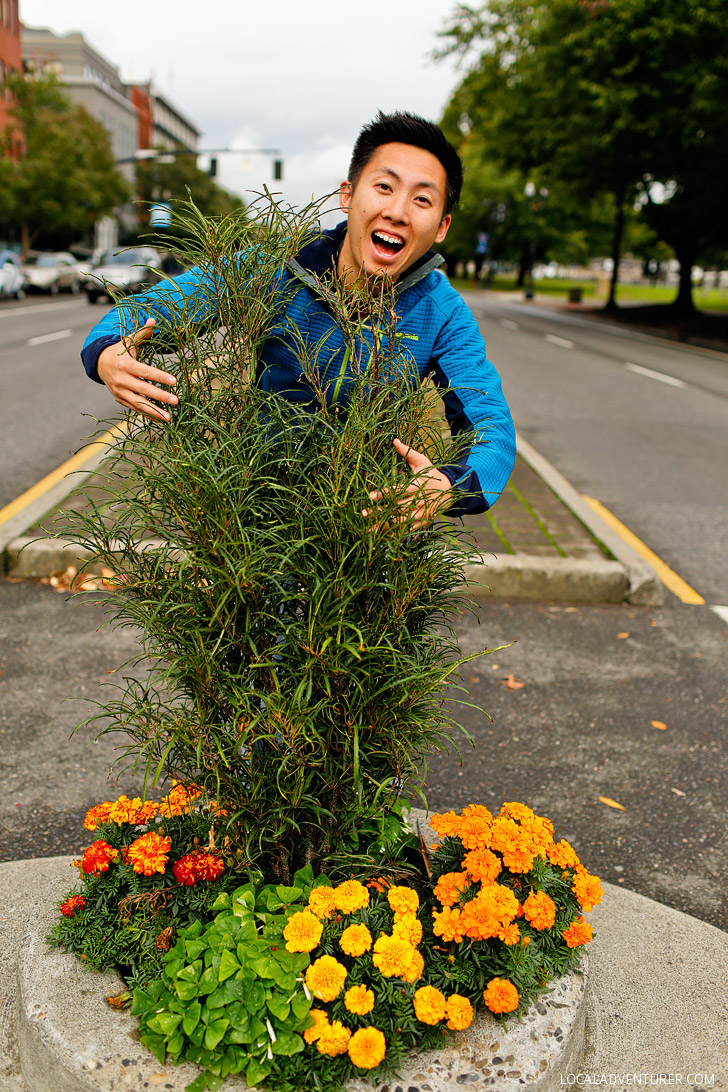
point(670, 379)
point(37, 308)
point(57, 336)
point(508, 324)
point(562, 341)
point(722, 612)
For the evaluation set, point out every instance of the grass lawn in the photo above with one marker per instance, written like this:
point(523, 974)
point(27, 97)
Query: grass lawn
point(712, 299)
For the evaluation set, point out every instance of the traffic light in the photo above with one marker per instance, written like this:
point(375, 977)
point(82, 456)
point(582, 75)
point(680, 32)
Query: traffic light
point(212, 169)
point(277, 169)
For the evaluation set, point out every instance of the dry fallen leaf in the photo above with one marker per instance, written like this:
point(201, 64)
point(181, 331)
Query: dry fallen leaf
point(512, 683)
point(658, 724)
point(621, 636)
point(611, 803)
point(678, 792)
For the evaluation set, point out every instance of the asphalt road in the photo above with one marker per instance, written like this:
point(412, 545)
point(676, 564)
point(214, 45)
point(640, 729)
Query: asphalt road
point(48, 408)
point(651, 450)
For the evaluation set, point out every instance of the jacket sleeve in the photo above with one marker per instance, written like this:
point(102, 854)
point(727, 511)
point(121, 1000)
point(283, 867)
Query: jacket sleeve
point(474, 402)
point(193, 290)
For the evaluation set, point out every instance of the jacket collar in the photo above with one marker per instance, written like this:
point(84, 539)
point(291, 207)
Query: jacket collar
point(320, 257)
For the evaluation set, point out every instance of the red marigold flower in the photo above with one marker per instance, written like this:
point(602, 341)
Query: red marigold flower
point(197, 866)
point(72, 905)
point(148, 854)
point(97, 815)
point(97, 857)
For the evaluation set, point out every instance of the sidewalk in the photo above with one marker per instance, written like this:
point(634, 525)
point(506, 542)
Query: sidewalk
point(542, 541)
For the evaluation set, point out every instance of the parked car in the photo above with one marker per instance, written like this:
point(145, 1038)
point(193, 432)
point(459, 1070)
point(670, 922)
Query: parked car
point(46, 272)
point(123, 273)
point(12, 278)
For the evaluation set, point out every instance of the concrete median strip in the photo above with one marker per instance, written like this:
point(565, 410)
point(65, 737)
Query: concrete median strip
point(613, 575)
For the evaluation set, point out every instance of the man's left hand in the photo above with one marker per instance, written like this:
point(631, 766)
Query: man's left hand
point(429, 492)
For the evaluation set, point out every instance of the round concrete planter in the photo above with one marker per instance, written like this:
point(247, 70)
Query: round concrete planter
point(70, 1040)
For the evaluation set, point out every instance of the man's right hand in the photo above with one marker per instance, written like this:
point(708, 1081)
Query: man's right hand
point(130, 381)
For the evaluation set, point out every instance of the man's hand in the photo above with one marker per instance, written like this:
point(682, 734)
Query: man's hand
point(429, 492)
point(130, 381)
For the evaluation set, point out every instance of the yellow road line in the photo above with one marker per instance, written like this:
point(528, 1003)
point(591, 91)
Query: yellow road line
point(74, 463)
point(668, 576)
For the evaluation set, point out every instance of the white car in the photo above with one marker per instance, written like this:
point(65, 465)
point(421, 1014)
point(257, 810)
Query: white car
point(52, 272)
point(12, 278)
point(124, 273)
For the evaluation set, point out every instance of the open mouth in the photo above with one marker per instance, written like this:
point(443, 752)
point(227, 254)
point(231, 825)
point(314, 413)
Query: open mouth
point(385, 244)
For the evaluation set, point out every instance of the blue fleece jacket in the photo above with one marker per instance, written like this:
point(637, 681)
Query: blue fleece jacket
point(441, 336)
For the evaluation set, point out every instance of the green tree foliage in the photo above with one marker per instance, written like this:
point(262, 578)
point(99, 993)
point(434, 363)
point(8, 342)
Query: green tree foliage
point(297, 660)
point(620, 97)
point(66, 178)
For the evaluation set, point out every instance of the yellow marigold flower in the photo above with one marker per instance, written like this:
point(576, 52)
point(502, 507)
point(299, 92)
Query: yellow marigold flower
point(500, 995)
point(414, 968)
point(482, 865)
point(148, 854)
point(359, 1000)
point(447, 825)
point(588, 889)
point(367, 1048)
point(325, 978)
point(320, 1021)
point(459, 1012)
point(403, 900)
point(125, 810)
point(579, 932)
point(562, 855)
point(302, 932)
point(355, 940)
point(97, 815)
point(430, 1005)
point(448, 924)
point(351, 896)
point(147, 811)
point(333, 1039)
point(450, 886)
point(509, 934)
point(321, 901)
point(392, 956)
point(408, 927)
point(540, 910)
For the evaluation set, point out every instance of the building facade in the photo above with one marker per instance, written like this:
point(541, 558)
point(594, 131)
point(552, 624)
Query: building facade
point(11, 60)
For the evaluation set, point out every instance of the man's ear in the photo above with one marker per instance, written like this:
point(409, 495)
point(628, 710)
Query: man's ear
point(442, 230)
point(345, 196)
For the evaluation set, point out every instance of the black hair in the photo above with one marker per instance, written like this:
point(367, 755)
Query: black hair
point(404, 128)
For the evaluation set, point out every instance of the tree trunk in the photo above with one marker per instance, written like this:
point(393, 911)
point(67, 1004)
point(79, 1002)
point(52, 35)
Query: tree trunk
point(684, 299)
point(616, 249)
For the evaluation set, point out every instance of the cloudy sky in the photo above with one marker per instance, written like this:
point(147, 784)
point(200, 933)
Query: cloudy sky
point(299, 75)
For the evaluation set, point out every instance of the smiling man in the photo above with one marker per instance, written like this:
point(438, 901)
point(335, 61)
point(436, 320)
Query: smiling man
point(404, 179)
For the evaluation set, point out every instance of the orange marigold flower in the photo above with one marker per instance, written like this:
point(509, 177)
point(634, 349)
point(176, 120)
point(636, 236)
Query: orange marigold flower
point(325, 978)
point(540, 910)
point(147, 811)
point(588, 889)
point(71, 906)
point(379, 883)
point(125, 810)
point(392, 956)
point(414, 967)
point(355, 940)
point(492, 908)
point(148, 854)
point(367, 1048)
point(562, 855)
point(178, 799)
point(359, 1000)
point(403, 900)
point(482, 865)
point(302, 932)
point(320, 1021)
point(448, 924)
point(459, 1012)
point(579, 932)
point(430, 1005)
point(517, 811)
point(539, 835)
point(450, 886)
point(518, 858)
point(97, 815)
point(475, 829)
point(197, 866)
point(509, 934)
point(97, 857)
point(408, 927)
point(351, 896)
point(322, 901)
point(447, 825)
point(333, 1039)
point(500, 995)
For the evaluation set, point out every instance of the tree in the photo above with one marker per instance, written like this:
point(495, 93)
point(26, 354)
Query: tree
point(625, 97)
point(66, 178)
point(160, 181)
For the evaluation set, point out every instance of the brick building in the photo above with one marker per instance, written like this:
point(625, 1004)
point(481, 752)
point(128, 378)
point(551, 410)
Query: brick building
point(11, 60)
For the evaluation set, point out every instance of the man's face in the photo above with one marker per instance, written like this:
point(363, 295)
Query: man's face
point(395, 212)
